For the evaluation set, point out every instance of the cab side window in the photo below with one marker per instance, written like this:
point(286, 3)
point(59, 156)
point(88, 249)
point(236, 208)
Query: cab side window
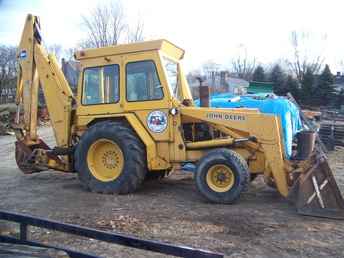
point(101, 85)
point(142, 82)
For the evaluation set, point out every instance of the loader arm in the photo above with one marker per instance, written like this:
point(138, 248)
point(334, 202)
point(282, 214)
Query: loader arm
point(265, 128)
point(309, 183)
point(37, 68)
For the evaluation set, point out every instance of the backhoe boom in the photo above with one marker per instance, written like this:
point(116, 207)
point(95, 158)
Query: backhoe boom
point(37, 68)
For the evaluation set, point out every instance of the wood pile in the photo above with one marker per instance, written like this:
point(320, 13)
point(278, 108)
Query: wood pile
point(332, 134)
point(7, 115)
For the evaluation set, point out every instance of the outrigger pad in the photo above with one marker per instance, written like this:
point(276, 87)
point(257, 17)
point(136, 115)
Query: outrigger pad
point(316, 192)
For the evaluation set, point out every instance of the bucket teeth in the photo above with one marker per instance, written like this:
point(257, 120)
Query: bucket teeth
point(316, 193)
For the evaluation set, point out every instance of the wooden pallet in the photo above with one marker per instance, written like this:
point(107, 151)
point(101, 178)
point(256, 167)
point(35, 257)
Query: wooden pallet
point(332, 134)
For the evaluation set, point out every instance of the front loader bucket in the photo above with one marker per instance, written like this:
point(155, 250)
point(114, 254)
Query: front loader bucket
point(24, 156)
point(316, 192)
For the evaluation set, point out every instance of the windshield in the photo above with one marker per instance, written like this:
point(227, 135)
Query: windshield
point(172, 75)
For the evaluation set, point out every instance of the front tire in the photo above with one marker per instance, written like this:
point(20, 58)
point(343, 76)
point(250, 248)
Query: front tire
point(110, 159)
point(221, 176)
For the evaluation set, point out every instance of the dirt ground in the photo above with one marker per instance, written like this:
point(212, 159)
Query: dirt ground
point(261, 224)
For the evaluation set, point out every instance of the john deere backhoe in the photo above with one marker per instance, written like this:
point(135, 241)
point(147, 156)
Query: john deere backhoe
point(133, 117)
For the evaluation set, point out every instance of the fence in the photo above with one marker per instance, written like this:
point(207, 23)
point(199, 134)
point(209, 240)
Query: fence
point(114, 238)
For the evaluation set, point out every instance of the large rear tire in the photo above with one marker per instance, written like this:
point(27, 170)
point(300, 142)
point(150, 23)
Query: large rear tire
point(221, 176)
point(110, 158)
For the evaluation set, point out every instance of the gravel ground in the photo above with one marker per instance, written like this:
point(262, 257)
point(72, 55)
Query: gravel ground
point(261, 224)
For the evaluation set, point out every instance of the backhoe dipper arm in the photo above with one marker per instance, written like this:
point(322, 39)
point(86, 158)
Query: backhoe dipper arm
point(36, 68)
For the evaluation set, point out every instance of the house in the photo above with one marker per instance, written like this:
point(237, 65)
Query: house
point(218, 82)
point(338, 84)
point(237, 86)
point(71, 70)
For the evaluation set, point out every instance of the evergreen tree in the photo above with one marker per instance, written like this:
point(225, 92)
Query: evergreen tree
point(278, 78)
point(258, 74)
point(291, 85)
point(307, 87)
point(324, 92)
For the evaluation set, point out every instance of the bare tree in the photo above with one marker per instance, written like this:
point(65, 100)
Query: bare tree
point(105, 26)
point(135, 34)
point(69, 53)
point(210, 70)
point(306, 56)
point(56, 49)
point(242, 65)
point(8, 71)
point(210, 67)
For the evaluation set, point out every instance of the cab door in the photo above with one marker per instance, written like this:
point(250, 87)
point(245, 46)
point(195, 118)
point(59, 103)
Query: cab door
point(146, 93)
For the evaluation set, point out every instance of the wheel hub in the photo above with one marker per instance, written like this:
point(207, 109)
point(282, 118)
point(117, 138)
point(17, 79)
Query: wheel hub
point(220, 178)
point(110, 159)
point(105, 160)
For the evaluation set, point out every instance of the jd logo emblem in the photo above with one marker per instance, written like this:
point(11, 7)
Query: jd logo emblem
point(157, 121)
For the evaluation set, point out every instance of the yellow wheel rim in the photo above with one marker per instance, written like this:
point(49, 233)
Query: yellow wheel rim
point(220, 178)
point(105, 160)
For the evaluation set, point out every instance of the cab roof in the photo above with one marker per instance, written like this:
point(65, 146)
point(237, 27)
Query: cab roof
point(163, 45)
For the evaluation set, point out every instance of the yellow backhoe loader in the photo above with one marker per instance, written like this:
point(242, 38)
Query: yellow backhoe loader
point(133, 116)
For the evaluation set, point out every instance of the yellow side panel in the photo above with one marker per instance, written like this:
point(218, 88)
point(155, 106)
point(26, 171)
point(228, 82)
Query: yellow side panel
point(163, 136)
point(163, 152)
point(177, 147)
point(154, 159)
point(266, 128)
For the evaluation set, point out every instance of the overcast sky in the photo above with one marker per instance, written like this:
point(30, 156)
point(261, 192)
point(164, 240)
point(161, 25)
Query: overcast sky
point(207, 30)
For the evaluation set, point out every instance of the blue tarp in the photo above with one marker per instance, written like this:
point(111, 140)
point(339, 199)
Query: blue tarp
point(287, 111)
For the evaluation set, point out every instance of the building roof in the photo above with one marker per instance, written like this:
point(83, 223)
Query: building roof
point(338, 84)
point(71, 71)
point(237, 82)
point(162, 45)
point(260, 87)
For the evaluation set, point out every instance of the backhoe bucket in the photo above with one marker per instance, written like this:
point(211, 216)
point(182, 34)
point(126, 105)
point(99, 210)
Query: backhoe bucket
point(316, 192)
point(25, 156)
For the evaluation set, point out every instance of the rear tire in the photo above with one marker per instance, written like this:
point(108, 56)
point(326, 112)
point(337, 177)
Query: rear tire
point(124, 156)
point(221, 176)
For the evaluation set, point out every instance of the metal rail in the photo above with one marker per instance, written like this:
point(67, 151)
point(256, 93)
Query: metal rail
point(115, 238)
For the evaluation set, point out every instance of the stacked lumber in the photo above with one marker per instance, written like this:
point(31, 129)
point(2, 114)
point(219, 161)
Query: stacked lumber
point(332, 134)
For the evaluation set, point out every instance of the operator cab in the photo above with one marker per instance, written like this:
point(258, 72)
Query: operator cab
point(124, 76)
